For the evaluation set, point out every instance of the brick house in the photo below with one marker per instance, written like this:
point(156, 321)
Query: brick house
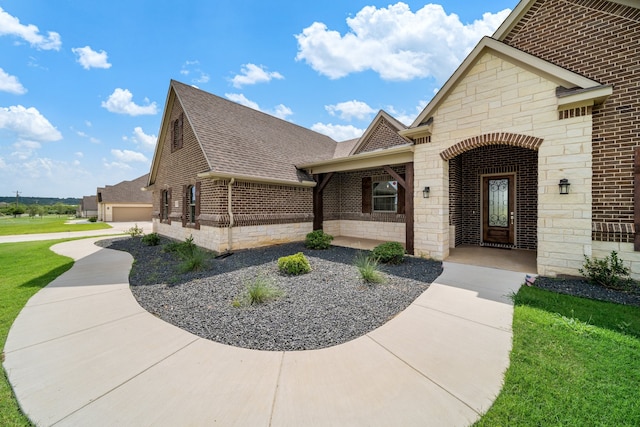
point(552, 97)
point(88, 207)
point(125, 201)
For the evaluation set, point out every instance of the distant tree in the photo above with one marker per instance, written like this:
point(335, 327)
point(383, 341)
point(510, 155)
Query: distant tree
point(34, 210)
point(17, 210)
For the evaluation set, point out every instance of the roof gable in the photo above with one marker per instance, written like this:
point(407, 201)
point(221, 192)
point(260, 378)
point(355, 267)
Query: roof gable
point(381, 133)
point(558, 75)
point(240, 141)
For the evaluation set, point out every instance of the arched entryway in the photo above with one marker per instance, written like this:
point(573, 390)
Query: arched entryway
point(493, 193)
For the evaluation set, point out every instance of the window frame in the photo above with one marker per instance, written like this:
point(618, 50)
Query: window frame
point(382, 180)
point(191, 199)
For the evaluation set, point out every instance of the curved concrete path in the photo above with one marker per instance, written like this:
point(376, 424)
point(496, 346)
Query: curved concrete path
point(83, 352)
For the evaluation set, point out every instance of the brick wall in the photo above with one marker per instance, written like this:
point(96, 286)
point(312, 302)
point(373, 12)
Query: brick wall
point(253, 204)
point(342, 197)
point(600, 40)
point(465, 188)
point(383, 136)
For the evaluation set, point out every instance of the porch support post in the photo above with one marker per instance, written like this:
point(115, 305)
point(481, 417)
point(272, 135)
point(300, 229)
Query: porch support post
point(636, 198)
point(407, 184)
point(408, 207)
point(318, 215)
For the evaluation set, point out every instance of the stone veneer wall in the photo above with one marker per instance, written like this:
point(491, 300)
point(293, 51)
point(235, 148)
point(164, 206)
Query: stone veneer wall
point(498, 96)
point(600, 40)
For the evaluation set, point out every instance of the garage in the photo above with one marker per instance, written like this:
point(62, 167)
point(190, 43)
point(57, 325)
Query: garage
point(129, 213)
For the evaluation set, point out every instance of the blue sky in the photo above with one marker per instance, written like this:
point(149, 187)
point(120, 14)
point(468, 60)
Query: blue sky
point(83, 84)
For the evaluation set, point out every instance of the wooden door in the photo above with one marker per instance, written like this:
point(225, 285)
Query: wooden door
point(498, 214)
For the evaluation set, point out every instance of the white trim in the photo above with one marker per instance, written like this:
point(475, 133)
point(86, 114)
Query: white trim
point(257, 179)
point(386, 156)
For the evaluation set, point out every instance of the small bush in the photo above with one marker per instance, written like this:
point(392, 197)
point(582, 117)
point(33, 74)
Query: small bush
point(318, 240)
point(389, 253)
point(368, 268)
point(93, 218)
point(609, 272)
point(261, 290)
point(181, 248)
point(294, 264)
point(152, 239)
point(135, 231)
point(194, 260)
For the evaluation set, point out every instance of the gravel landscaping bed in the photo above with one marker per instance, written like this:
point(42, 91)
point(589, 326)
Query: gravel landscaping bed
point(581, 287)
point(329, 306)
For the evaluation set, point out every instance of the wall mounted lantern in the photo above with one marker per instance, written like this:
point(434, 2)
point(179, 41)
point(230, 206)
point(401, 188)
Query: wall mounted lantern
point(425, 192)
point(564, 186)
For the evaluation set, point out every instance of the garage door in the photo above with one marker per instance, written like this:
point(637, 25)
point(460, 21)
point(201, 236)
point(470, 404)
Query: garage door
point(123, 214)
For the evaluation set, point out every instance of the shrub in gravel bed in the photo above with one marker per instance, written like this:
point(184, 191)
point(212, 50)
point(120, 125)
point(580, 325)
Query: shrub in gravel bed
point(609, 272)
point(260, 290)
point(294, 264)
point(389, 253)
point(318, 239)
point(151, 239)
point(368, 268)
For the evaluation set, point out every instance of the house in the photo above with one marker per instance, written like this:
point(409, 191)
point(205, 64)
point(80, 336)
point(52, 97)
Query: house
point(125, 201)
point(88, 207)
point(532, 144)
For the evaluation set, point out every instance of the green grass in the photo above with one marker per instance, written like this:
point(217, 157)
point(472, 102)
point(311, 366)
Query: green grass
point(574, 362)
point(368, 268)
point(26, 268)
point(48, 224)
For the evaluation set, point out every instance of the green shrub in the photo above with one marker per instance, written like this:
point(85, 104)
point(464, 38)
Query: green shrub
point(294, 264)
point(181, 248)
point(318, 240)
point(261, 290)
point(151, 239)
point(194, 260)
point(135, 231)
point(368, 268)
point(389, 253)
point(93, 218)
point(609, 272)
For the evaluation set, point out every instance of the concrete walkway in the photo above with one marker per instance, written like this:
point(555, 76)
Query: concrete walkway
point(83, 352)
point(116, 228)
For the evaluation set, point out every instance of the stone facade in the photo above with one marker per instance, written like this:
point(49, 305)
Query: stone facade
point(496, 98)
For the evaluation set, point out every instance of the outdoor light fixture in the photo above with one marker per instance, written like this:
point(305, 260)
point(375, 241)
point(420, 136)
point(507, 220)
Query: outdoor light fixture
point(425, 192)
point(564, 186)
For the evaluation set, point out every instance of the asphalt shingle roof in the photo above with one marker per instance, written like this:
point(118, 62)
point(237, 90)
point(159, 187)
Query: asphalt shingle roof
point(127, 192)
point(239, 140)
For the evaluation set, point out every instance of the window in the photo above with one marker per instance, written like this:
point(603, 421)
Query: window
point(385, 196)
point(165, 202)
point(176, 133)
point(191, 208)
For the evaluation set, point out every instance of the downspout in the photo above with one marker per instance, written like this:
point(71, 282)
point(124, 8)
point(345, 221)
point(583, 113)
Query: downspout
point(230, 212)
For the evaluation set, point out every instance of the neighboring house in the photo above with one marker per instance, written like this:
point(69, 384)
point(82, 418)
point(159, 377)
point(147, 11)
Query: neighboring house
point(125, 201)
point(553, 97)
point(88, 207)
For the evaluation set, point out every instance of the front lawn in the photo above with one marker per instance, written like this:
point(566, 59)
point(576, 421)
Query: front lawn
point(26, 268)
point(574, 363)
point(48, 224)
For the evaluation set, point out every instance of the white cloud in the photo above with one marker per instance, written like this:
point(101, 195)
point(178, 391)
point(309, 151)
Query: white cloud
point(28, 123)
point(395, 42)
point(115, 165)
point(192, 67)
point(282, 112)
point(407, 118)
point(242, 100)
point(147, 142)
point(10, 84)
point(11, 26)
point(351, 109)
point(338, 132)
point(79, 154)
point(128, 156)
point(121, 102)
point(251, 74)
point(25, 149)
point(89, 58)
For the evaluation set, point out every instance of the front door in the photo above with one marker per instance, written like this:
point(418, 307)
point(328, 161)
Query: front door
point(498, 214)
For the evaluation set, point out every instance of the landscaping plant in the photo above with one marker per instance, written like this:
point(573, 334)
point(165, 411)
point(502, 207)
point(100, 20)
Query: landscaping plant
point(135, 231)
point(318, 239)
point(389, 253)
point(369, 268)
point(152, 239)
point(261, 290)
point(294, 264)
point(609, 272)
